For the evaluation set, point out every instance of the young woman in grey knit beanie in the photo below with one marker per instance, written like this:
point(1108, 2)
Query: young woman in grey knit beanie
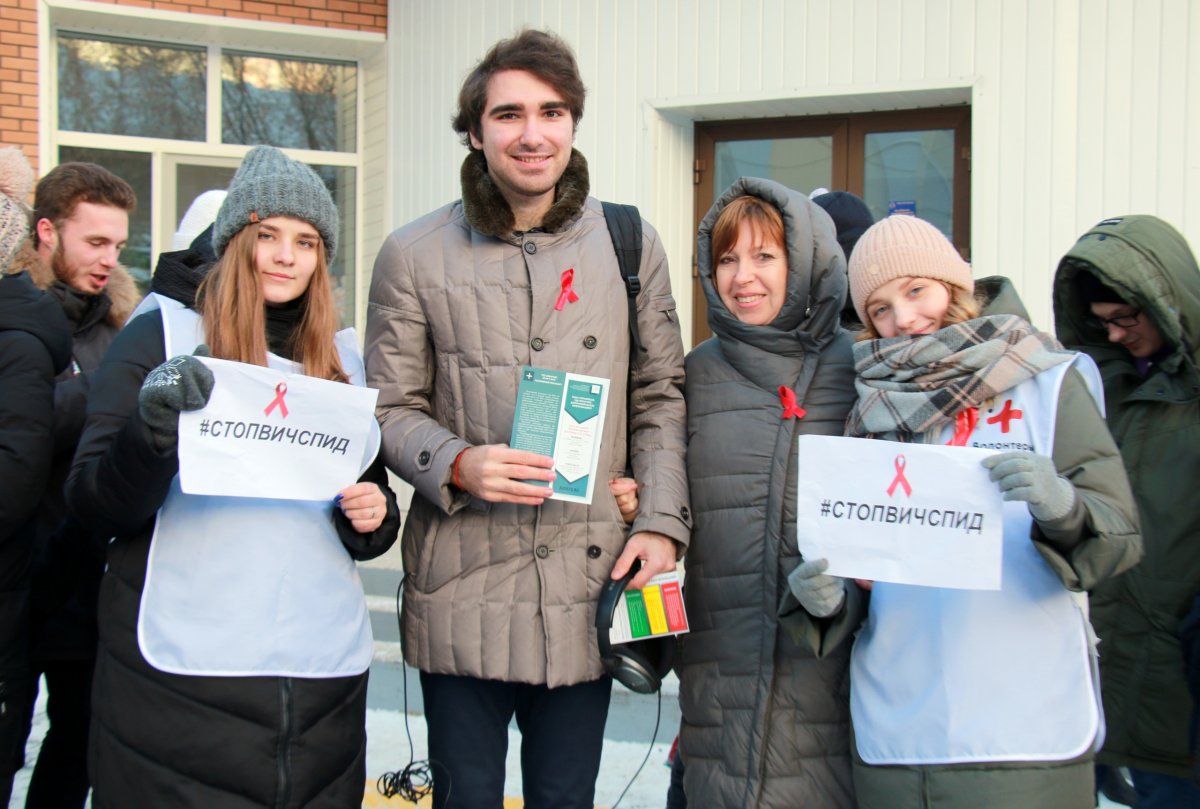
point(236, 674)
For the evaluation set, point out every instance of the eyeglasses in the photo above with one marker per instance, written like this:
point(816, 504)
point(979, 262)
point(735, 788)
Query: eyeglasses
point(1121, 321)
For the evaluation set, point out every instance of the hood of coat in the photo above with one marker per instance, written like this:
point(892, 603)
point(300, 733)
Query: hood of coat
point(997, 296)
point(178, 274)
point(24, 307)
point(1147, 263)
point(121, 289)
point(816, 283)
point(488, 212)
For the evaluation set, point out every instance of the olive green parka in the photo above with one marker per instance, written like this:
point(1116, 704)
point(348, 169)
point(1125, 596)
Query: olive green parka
point(1156, 422)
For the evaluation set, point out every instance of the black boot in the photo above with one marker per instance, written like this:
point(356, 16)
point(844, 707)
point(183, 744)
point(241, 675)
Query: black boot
point(1115, 784)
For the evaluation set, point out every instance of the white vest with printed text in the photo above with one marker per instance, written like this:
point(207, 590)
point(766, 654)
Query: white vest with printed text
point(942, 676)
point(239, 586)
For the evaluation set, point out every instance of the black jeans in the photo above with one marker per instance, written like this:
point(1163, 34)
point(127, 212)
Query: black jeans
point(60, 777)
point(676, 799)
point(562, 732)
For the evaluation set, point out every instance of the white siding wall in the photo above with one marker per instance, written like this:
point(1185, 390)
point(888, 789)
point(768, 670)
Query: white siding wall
point(1081, 108)
point(375, 217)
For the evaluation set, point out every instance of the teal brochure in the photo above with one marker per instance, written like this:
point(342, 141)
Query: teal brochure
point(561, 415)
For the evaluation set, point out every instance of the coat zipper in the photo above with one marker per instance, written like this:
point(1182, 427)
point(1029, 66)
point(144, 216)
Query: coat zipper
point(283, 759)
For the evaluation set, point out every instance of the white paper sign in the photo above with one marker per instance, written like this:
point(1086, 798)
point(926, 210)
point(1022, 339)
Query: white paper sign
point(268, 433)
point(908, 513)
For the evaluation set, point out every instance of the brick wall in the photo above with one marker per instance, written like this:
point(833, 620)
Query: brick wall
point(18, 45)
point(356, 15)
point(18, 76)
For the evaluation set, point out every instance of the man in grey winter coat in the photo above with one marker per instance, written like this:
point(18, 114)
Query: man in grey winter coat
point(501, 582)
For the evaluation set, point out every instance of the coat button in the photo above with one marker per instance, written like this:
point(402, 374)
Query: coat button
point(589, 342)
point(683, 512)
point(594, 552)
point(530, 248)
point(537, 343)
point(424, 457)
point(541, 551)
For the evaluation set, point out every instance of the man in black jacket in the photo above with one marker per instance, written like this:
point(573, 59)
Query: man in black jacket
point(35, 344)
point(80, 225)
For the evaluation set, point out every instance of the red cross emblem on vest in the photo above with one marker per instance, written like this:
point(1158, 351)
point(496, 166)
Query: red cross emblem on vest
point(1005, 416)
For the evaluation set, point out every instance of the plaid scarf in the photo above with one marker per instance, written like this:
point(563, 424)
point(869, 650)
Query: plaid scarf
point(909, 386)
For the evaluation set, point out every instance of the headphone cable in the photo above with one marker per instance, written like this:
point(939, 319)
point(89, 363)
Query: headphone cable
point(415, 781)
point(653, 739)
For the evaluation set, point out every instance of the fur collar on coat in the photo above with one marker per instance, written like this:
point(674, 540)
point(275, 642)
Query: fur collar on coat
point(488, 213)
point(121, 289)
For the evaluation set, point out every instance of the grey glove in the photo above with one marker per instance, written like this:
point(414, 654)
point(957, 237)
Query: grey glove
point(180, 383)
point(821, 595)
point(1031, 477)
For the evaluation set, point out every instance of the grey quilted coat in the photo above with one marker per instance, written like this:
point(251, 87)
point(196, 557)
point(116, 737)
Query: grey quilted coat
point(458, 303)
point(765, 699)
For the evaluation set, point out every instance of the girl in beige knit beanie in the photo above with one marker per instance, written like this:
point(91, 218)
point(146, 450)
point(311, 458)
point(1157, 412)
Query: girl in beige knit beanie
point(906, 278)
point(931, 369)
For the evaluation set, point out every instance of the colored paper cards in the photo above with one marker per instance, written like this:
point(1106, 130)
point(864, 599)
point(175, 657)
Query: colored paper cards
point(561, 415)
point(656, 609)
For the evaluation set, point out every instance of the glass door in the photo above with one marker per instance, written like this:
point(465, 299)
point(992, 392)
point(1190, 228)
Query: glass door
point(912, 162)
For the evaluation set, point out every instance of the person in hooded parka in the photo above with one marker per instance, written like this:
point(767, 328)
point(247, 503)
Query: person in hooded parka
point(1128, 294)
point(763, 676)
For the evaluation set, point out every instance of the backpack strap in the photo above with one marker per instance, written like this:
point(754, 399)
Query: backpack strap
point(625, 228)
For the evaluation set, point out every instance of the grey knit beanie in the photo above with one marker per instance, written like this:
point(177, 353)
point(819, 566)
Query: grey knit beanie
point(901, 246)
point(16, 180)
point(269, 183)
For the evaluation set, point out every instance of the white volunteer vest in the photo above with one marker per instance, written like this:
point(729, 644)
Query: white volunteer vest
point(941, 676)
point(239, 586)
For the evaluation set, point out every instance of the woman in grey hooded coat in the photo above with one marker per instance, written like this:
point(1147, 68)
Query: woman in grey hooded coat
point(763, 681)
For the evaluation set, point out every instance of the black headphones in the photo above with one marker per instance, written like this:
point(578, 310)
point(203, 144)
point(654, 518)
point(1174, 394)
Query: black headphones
point(639, 665)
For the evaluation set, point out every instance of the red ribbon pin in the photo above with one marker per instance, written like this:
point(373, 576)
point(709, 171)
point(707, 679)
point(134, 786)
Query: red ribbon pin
point(900, 479)
point(787, 397)
point(964, 425)
point(567, 295)
point(280, 391)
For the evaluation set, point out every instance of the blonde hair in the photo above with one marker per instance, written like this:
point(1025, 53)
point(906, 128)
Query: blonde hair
point(231, 302)
point(964, 305)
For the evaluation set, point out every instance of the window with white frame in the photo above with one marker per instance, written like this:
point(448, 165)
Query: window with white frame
point(175, 119)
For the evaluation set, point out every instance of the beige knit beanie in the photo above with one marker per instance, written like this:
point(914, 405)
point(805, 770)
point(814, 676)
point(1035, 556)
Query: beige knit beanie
point(902, 246)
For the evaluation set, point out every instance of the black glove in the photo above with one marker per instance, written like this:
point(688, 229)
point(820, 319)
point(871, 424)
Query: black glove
point(180, 383)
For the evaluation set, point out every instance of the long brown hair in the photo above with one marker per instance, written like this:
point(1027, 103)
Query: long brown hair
point(231, 302)
point(964, 306)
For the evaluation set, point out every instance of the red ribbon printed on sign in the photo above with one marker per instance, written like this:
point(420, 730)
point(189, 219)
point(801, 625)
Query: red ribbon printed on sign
point(787, 397)
point(964, 425)
point(280, 391)
point(567, 295)
point(899, 480)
